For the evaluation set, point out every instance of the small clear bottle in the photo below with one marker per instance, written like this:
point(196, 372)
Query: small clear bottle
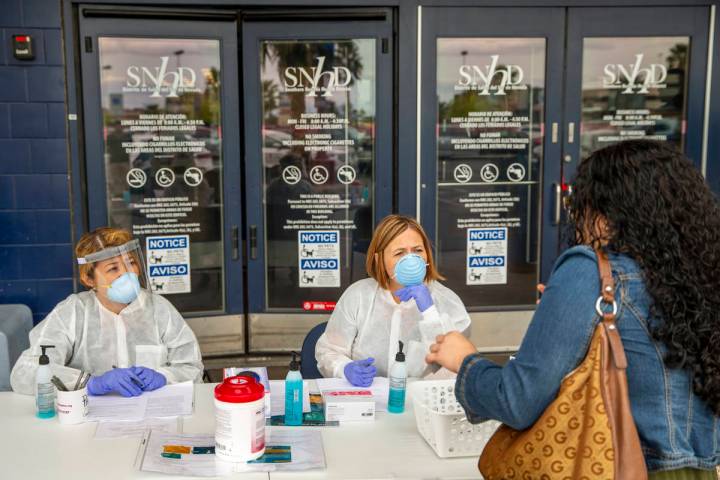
point(398, 383)
point(44, 389)
point(294, 394)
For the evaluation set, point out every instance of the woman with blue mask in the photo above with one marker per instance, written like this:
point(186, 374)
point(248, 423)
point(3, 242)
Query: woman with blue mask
point(129, 339)
point(403, 300)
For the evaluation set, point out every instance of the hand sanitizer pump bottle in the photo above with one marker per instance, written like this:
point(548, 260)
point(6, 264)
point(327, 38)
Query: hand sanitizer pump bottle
point(398, 382)
point(294, 394)
point(44, 389)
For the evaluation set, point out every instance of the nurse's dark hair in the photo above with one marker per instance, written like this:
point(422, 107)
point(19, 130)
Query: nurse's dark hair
point(385, 232)
point(95, 241)
point(660, 212)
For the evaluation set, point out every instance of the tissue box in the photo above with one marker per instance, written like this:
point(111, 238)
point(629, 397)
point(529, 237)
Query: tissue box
point(349, 405)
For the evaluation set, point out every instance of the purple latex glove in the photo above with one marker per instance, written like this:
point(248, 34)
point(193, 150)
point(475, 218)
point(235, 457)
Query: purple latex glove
point(420, 293)
point(151, 379)
point(120, 380)
point(360, 372)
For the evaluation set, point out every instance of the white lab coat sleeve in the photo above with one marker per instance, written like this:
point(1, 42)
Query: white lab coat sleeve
point(431, 325)
point(333, 350)
point(184, 360)
point(446, 315)
point(57, 329)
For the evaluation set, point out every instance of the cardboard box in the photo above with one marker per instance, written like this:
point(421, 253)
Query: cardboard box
point(349, 405)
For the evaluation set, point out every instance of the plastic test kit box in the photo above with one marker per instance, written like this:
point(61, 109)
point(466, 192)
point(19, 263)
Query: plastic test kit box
point(349, 405)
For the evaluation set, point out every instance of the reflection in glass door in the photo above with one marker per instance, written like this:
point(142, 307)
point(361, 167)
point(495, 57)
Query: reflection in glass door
point(318, 124)
point(642, 75)
point(163, 137)
point(494, 91)
point(633, 87)
point(490, 154)
point(318, 150)
point(156, 99)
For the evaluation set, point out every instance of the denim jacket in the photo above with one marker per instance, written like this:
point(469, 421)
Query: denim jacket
point(677, 429)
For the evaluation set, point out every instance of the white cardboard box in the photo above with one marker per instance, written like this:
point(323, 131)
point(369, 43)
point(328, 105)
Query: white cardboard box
point(349, 405)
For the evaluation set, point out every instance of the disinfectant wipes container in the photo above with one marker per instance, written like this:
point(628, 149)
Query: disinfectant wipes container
point(239, 419)
point(442, 422)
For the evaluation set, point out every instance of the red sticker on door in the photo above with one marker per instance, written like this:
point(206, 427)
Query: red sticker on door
point(319, 306)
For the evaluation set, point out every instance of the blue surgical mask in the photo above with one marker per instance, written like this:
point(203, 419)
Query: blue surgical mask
point(125, 288)
point(410, 270)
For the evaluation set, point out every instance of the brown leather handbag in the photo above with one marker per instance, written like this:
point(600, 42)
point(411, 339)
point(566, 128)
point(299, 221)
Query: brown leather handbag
point(588, 431)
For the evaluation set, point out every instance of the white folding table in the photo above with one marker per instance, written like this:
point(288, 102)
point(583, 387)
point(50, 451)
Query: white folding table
point(388, 448)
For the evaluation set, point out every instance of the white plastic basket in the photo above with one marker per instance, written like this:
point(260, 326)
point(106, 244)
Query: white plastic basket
point(441, 420)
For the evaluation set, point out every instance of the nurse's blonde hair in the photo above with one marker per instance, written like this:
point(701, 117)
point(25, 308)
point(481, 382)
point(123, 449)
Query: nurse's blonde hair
point(94, 241)
point(385, 232)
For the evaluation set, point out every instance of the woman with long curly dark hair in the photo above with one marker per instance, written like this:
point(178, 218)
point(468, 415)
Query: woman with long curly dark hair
point(650, 210)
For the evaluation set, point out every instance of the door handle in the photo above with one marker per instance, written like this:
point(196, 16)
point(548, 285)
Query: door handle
point(558, 203)
point(253, 242)
point(235, 248)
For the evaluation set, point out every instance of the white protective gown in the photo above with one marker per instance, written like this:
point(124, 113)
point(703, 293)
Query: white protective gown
point(367, 322)
point(148, 332)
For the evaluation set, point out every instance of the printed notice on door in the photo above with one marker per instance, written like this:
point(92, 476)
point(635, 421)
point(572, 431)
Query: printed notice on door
point(168, 261)
point(487, 256)
point(319, 258)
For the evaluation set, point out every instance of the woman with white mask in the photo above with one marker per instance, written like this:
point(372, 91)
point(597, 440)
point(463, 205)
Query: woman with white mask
point(402, 300)
point(129, 339)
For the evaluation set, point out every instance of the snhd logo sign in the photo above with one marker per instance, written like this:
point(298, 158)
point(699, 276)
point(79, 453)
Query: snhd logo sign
point(309, 80)
point(490, 79)
point(617, 76)
point(160, 81)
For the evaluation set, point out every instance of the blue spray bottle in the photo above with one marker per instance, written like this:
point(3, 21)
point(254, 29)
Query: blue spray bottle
point(398, 383)
point(294, 394)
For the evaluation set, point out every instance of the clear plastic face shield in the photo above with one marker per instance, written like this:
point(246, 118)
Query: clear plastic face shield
point(119, 272)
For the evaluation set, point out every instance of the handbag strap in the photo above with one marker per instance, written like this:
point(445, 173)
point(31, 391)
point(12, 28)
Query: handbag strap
point(607, 295)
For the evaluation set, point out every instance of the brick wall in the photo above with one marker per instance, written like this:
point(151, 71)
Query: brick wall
point(35, 248)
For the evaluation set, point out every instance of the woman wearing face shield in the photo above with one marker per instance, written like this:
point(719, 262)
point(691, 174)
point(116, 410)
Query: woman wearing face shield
point(402, 300)
point(129, 339)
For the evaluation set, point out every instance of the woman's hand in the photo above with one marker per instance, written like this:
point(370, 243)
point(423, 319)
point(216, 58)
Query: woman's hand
point(420, 293)
point(541, 289)
point(450, 350)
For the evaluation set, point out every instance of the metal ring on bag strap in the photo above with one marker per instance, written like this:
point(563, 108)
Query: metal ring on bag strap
point(599, 310)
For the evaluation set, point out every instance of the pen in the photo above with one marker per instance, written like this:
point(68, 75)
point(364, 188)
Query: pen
point(79, 380)
point(58, 384)
point(85, 381)
point(136, 382)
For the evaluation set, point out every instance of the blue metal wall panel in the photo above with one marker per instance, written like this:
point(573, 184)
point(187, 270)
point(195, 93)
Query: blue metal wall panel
point(48, 155)
point(16, 156)
point(13, 87)
point(41, 13)
point(35, 244)
point(28, 120)
point(4, 121)
point(46, 84)
point(12, 14)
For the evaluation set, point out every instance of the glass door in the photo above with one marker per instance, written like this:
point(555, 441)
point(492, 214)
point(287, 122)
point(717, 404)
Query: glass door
point(157, 97)
point(318, 120)
point(637, 73)
point(491, 87)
